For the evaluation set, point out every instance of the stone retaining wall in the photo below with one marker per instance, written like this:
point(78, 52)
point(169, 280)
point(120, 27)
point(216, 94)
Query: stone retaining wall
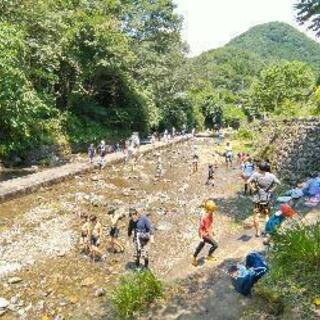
point(292, 146)
point(31, 183)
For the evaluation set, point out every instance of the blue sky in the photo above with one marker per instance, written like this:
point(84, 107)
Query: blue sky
point(210, 24)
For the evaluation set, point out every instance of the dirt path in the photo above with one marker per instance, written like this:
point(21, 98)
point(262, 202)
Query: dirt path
point(39, 235)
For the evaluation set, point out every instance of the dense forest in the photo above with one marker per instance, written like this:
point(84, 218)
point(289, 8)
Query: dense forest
point(78, 70)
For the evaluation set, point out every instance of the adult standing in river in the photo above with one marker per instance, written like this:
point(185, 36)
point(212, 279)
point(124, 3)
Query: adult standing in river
point(263, 184)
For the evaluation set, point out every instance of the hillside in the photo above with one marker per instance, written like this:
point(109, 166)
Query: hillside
point(278, 41)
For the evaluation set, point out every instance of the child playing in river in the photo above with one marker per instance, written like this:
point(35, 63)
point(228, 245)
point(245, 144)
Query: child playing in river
point(210, 180)
point(114, 234)
point(95, 236)
point(85, 231)
point(91, 152)
point(206, 232)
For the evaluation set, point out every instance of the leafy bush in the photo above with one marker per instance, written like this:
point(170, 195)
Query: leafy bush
point(245, 133)
point(295, 269)
point(135, 292)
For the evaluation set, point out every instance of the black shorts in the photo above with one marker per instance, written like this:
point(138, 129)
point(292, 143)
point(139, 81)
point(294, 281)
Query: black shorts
point(95, 241)
point(114, 232)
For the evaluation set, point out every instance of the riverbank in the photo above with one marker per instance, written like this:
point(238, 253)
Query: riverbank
point(31, 183)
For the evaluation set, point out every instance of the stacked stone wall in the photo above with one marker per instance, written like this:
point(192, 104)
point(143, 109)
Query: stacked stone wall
point(292, 146)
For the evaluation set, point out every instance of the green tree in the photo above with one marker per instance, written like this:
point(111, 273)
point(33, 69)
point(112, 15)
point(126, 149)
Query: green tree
point(293, 81)
point(308, 11)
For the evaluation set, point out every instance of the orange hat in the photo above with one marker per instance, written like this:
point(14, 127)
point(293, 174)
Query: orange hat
point(286, 210)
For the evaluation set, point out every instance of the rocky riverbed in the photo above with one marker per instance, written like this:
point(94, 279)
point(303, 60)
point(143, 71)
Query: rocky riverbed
point(42, 271)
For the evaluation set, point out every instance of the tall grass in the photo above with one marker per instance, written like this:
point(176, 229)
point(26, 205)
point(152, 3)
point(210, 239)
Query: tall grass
point(294, 276)
point(297, 251)
point(135, 293)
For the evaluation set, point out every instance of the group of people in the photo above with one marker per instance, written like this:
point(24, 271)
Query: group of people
point(140, 230)
point(258, 182)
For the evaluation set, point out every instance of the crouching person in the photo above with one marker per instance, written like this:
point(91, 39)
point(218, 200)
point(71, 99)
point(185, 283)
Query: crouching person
point(142, 231)
point(284, 212)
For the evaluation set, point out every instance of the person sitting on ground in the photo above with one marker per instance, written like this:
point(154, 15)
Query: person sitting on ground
point(91, 152)
point(195, 160)
point(141, 229)
point(263, 184)
point(210, 180)
point(247, 171)
point(114, 234)
point(95, 237)
point(206, 232)
point(285, 211)
point(228, 155)
point(85, 231)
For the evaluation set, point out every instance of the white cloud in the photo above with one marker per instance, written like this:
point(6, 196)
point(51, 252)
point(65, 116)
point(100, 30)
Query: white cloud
point(210, 24)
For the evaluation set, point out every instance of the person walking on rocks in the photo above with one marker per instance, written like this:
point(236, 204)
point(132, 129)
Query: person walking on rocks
point(210, 180)
point(91, 152)
point(206, 232)
point(159, 169)
point(263, 184)
point(85, 231)
point(247, 171)
point(95, 237)
point(228, 155)
point(195, 161)
point(142, 231)
point(114, 234)
point(102, 150)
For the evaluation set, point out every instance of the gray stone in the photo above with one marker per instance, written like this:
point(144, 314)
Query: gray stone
point(100, 292)
point(4, 303)
point(14, 280)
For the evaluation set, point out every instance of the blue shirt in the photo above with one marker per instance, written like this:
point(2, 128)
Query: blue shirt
point(142, 225)
point(248, 169)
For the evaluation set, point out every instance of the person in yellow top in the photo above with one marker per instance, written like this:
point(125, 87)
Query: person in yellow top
point(206, 231)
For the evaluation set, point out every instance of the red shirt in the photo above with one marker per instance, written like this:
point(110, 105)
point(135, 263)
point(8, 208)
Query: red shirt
point(206, 224)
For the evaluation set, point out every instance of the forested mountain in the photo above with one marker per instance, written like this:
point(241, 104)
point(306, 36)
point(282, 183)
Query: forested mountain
point(271, 67)
point(279, 41)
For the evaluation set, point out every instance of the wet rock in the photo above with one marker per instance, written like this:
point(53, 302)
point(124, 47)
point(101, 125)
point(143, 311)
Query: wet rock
point(4, 303)
point(14, 280)
point(100, 292)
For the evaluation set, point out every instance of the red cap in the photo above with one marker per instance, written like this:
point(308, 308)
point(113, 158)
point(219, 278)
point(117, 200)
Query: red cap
point(286, 210)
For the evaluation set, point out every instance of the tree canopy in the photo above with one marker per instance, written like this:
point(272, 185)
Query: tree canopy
point(308, 12)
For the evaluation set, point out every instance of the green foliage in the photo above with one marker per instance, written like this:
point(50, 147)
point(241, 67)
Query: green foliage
point(277, 41)
point(280, 83)
point(295, 267)
point(102, 65)
point(135, 293)
point(308, 11)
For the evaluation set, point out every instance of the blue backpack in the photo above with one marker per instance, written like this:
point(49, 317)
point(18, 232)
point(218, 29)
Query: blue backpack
point(255, 269)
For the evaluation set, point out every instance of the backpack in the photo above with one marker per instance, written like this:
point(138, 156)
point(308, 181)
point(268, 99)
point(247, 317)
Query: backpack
point(255, 269)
